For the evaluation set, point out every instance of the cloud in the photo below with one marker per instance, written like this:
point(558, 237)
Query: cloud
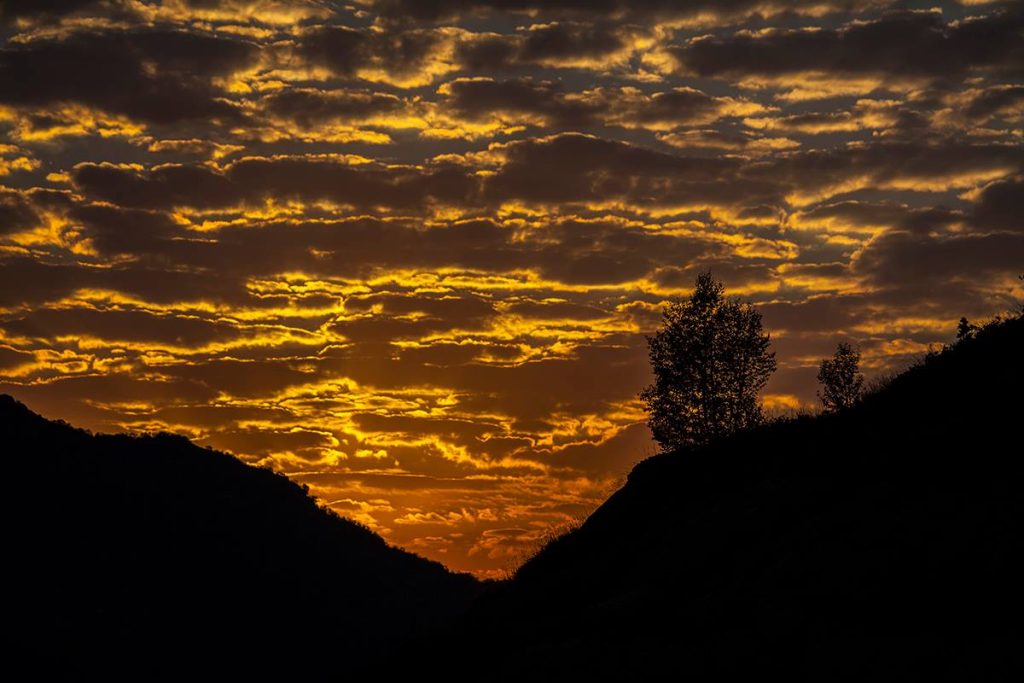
point(556, 44)
point(1000, 206)
point(567, 168)
point(16, 213)
point(46, 13)
point(896, 258)
point(540, 101)
point(118, 326)
point(899, 44)
point(11, 358)
point(403, 57)
point(154, 76)
point(922, 166)
point(546, 103)
point(52, 10)
point(253, 180)
point(395, 317)
point(853, 216)
point(435, 10)
point(733, 140)
point(309, 106)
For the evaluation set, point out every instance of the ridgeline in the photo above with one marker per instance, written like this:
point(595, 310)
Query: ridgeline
point(147, 558)
point(880, 543)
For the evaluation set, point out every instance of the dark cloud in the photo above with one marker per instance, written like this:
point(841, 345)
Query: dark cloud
point(899, 258)
point(117, 230)
point(819, 314)
point(568, 43)
point(556, 169)
point(253, 180)
point(263, 442)
point(678, 106)
point(346, 50)
point(908, 43)
point(214, 416)
point(12, 358)
point(452, 308)
point(16, 213)
point(339, 48)
point(551, 104)
point(1002, 101)
point(902, 165)
point(531, 393)
point(165, 187)
point(880, 215)
point(52, 10)
point(411, 317)
point(25, 280)
point(120, 326)
point(696, 139)
point(73, 394)
point(28, 281)
point(433, 10)
point(616, 455)
point(556, 310)
point(478, 98)
point(567, 168)
point(1000, 206)
point(155, 76)
point(309, 106)
point(407, 424)
point(243, 378)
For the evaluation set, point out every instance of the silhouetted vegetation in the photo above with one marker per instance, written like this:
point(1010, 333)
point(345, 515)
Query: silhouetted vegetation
point(881, 542)
point(965, 330)
point(878, 543)
point(710, 360)
point(842, 383)
point(148, 558)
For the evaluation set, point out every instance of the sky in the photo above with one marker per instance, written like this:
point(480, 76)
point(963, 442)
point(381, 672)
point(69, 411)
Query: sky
point(406, 251)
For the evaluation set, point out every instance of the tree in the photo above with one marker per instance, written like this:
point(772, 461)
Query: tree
point(965, 330)
point(841, 382)
point(710, 360)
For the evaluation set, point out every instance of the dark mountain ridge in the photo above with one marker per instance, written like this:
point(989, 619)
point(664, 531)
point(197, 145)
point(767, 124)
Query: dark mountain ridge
point(882, 543)
point(149, 558)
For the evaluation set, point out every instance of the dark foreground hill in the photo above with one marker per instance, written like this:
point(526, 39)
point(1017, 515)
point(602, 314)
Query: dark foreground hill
point(880, 544)
point(149, 558)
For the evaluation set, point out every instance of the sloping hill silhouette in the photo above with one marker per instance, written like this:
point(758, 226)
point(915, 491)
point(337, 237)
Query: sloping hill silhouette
point(882, 543)
point(149, 558)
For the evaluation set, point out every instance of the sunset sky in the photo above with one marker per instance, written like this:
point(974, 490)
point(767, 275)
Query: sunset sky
point(406, 251)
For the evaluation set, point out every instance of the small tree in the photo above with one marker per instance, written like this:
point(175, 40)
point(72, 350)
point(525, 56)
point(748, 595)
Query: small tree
point(965, 330)
point(841, 382)
point(710, 360)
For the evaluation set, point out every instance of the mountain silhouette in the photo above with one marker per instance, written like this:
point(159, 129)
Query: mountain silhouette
point(880, 543)
point(149, 558)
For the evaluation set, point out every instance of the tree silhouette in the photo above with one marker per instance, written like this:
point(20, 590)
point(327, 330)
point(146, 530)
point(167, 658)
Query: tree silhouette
point(841, 381)
point(710, 359)
point(965, 330)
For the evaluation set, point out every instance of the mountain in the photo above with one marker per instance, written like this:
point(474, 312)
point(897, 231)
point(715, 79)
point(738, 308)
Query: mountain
point(151, 559)
point(882, 543)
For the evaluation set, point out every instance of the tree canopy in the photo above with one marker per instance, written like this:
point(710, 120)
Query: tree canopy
point(710, 360)
point(841, 381)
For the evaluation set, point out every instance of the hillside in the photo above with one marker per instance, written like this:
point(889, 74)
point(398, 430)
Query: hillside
point(149, 558)
point(879, 544)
